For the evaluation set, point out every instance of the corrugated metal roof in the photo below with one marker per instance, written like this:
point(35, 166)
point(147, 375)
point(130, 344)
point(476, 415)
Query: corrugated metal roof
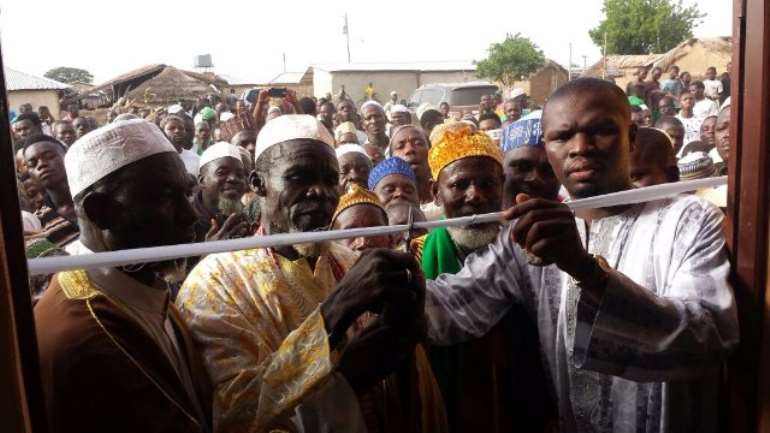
point(417, 66)
point(16, 80)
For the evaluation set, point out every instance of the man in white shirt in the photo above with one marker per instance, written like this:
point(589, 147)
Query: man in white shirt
point(634, 311)
point(174, 128)
point(704, 107)
point(713, 87)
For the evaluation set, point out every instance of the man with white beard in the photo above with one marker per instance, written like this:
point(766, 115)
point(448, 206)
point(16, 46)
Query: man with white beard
point(488, 384)
point(222, 181)
point(270, 322)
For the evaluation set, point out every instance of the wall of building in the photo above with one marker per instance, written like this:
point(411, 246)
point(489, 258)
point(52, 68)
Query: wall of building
point(355, 84)
point(403, 82)
point(302, 89)
point(322, 83)
point(237, 88)
point(445, 77)
point(49, 98)
point(540, 86)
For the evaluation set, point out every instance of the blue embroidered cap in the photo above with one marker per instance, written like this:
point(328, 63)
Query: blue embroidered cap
point(526, 131)
point(394, 165)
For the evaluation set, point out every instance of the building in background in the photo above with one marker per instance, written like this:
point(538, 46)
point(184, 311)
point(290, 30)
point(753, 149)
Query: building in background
point(300, 82)
point(694, 55)
point(237, 85)
point(25, 88)
point(156, 85)
point(543, 82)
point(404, 78)
point(621, 69)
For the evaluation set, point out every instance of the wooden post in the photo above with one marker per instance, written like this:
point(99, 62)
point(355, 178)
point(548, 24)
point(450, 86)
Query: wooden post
point(21, 399)
point(747, 216)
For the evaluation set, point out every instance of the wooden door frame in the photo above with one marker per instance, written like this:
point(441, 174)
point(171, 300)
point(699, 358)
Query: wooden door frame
point(747, 216)
point(21, 406)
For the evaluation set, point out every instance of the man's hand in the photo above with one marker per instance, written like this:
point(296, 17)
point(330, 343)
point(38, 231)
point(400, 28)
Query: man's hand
point(374, 354)
point(388, 283)
point(546, 229)
point(382, 281)
point(291, 97)
point(235, 226)
point(263, 97)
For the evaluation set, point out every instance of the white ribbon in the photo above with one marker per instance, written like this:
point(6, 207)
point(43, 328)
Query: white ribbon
point(50, 265)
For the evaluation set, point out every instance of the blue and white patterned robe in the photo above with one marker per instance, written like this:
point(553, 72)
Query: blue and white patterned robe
point(647, 356)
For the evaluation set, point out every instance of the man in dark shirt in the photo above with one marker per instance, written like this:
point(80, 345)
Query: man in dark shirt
point(45, 159)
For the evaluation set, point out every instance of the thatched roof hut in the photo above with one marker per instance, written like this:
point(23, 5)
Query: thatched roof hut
point(169, 86)
point(620, 68)
point(695, 55)
point(161, 84)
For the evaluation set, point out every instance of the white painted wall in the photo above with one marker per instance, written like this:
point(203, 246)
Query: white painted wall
point(404, 83)
point(49, 98)
point(322, 83)
point(445, 77)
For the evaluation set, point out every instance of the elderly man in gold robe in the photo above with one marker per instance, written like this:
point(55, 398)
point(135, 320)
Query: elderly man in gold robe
point(272, 323)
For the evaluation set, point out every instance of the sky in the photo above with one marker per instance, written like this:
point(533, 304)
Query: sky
point(247, 39)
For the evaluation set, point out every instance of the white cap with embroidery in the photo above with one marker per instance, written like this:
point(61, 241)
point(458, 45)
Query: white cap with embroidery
point(219, 150)
point(291, 127)
point(109, 148)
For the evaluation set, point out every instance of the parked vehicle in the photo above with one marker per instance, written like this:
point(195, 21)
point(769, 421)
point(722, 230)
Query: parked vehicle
point(461, 97)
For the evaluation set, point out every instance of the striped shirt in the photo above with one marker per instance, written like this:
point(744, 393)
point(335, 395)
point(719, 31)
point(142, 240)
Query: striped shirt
point(56, 228)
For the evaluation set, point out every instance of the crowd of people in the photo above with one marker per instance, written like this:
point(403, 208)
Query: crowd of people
point(599, 320)
point(694, 115)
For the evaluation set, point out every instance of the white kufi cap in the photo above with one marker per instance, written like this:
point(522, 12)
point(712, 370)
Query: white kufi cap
point(219, 150)
point(348, 148)
point(109, 148)
point(291, 127)
point(372, 102)
point(399, 108)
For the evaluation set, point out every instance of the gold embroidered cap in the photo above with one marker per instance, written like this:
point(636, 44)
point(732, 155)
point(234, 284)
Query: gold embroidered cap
point(457, 141)
point(356, 195)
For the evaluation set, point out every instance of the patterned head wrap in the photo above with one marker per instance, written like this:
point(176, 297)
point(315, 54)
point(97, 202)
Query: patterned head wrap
point(344, 128)
point(459, 141)
point(523, 132)
point(357, 195)
point(394, 165)
point(695, 165)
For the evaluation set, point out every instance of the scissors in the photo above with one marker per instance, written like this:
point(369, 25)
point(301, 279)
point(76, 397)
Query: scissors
point(410, 231)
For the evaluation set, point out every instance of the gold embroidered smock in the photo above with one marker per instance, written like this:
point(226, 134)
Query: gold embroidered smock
point(255, 316)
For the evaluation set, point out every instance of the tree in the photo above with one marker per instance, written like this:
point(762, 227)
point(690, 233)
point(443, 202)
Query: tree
point(645, 26)
point(69, 75)
point(511, 60)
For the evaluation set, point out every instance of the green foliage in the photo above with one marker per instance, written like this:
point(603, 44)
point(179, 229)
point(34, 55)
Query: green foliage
point(645, 26)
point(69, 75)
point(511, 60)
